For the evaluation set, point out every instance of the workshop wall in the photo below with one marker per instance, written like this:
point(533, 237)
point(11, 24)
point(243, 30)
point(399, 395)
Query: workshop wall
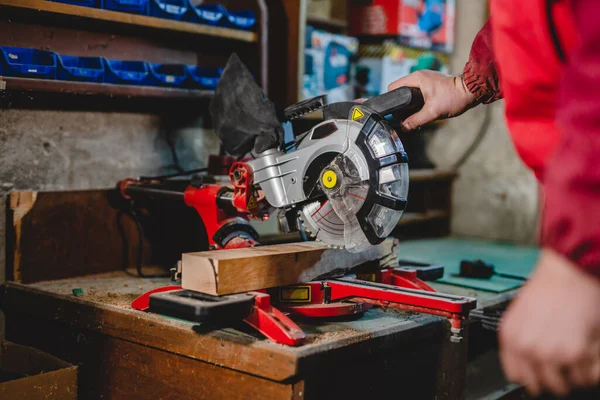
point(495, 195)
point(65, 150)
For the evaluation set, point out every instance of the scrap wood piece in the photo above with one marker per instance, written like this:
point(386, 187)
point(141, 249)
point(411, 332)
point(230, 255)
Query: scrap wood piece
point(240, 270)
point(20, 203)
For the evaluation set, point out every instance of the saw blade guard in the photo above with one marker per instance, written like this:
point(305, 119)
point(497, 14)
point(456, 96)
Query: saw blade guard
point(349, 176)
point(347, 182)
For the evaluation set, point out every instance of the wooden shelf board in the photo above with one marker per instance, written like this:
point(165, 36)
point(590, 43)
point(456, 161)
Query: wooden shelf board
point(100, 89)
point(334, 23)
point(131, 19)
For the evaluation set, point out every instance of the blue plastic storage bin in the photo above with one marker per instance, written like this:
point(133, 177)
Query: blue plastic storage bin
point(204, 78)
point(80, 69)
point(128, 6)
point(125, 72)
point(84, 3)
point(207, 14)
point(173, 75)
point(244, 20)
point(171, 9)
point(28, 63)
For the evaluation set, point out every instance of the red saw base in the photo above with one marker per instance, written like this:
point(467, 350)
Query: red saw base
point(341, 297)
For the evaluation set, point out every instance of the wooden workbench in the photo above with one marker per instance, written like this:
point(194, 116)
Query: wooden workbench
point(60, 241)
point(124, 353)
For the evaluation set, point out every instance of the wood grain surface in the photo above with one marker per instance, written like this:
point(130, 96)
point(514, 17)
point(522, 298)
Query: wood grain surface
point(60, 234)
point(113, 368)
point(104, 89)
point(242, 270)
point(45, 377)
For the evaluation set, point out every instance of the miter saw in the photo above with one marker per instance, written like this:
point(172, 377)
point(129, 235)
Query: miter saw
point(345, 181)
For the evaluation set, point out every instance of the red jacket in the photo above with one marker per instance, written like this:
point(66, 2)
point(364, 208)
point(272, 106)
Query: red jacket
point(543, 56)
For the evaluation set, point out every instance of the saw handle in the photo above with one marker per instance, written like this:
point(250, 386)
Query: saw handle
point(402, 102)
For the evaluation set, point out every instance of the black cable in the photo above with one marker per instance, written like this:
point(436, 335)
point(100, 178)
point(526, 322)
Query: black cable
point(483, 129)
point(124, 244)
point(182, 173)
point(140, 249)
point(176, 163)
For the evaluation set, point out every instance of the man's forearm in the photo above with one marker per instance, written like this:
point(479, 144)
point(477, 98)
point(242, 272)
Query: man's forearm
point(480, 74)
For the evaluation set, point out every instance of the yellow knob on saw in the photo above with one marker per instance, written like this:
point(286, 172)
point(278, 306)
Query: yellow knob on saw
point(329, 179)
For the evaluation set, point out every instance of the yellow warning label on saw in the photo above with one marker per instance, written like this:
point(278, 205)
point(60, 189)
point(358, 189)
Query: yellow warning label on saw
point(357, 114)
point(251, 202)
point(295, 294)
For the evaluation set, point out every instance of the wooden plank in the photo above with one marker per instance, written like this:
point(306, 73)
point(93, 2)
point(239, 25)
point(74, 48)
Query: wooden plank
point(43, 6)
point(104, 89)
point(20, 204)
point(114, 368)
point(242, 270)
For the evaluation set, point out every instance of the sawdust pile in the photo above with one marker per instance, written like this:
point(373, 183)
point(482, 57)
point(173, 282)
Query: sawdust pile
point(330, 336)
point(116, 299)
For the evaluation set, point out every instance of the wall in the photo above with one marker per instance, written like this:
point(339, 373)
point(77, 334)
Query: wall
point(495, 195)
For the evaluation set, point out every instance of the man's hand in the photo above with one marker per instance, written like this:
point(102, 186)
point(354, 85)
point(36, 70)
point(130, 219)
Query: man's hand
point(550, 335)
point(445, 97)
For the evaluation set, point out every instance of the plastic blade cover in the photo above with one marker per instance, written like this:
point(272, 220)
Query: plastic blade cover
point(348, 194)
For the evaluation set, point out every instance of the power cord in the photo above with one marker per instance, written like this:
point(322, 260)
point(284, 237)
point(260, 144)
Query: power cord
point(140, 245)
point(173, 175)
point(172, 143)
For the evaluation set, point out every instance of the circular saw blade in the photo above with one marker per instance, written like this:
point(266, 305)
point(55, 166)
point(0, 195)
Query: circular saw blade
point(321, 222)
point(347, 196)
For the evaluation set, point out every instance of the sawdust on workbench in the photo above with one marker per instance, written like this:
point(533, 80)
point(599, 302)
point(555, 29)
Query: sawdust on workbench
point(117, 288)
point(116, 299)
point(330, 336)
point(401, 313)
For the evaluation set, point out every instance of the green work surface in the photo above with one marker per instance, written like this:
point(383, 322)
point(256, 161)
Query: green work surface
point(506, 258)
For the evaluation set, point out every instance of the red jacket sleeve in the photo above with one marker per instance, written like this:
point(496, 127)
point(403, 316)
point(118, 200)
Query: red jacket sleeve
point(480, 74)
point(571, 221)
